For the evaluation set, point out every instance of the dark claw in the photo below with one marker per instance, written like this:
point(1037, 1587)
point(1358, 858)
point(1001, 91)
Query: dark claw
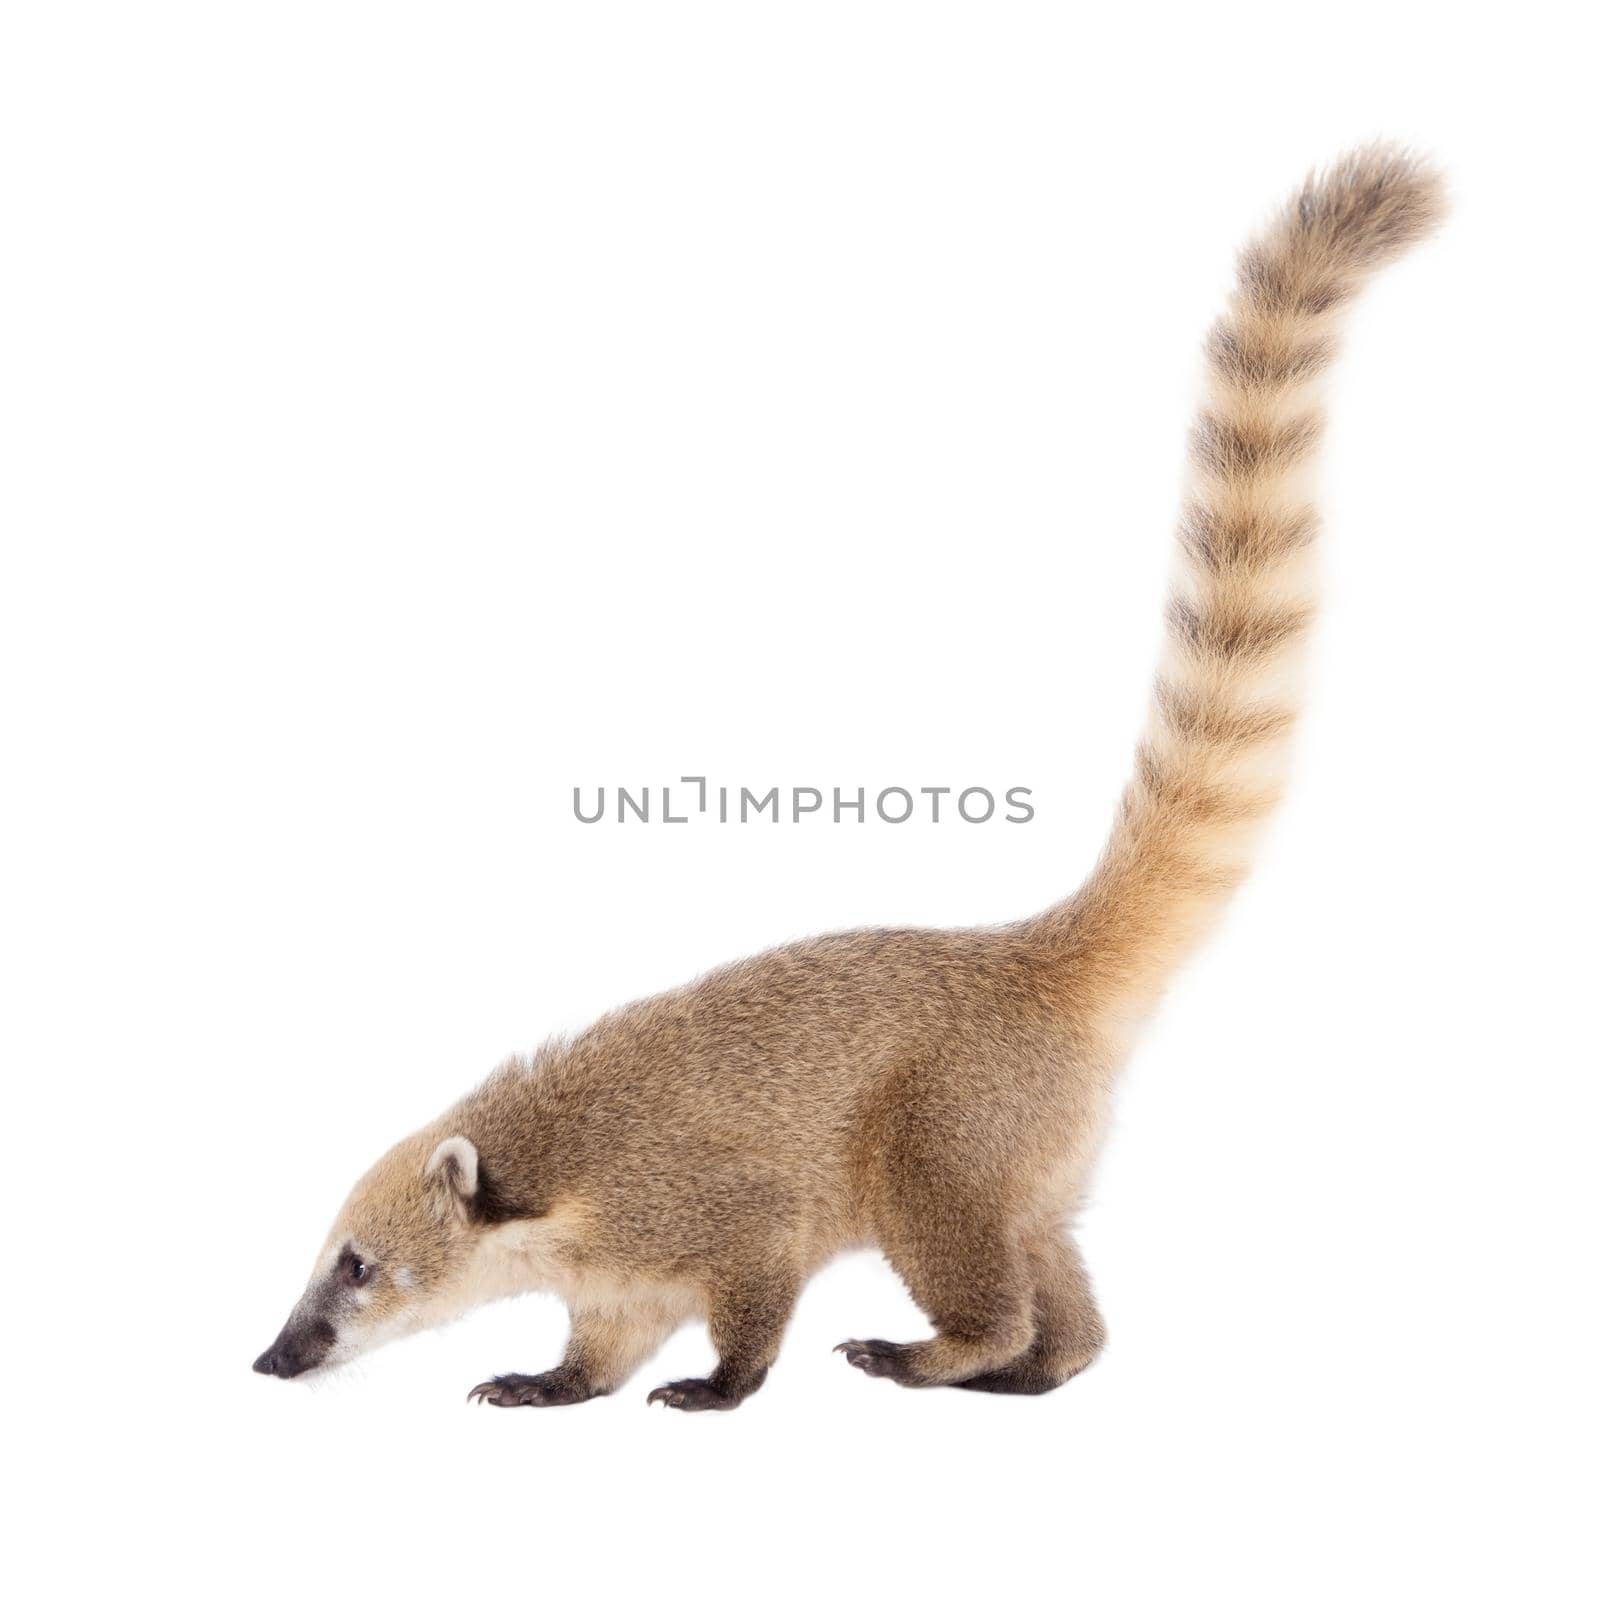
point(878, 1358)
point(544, 1389)
point(691, 1394)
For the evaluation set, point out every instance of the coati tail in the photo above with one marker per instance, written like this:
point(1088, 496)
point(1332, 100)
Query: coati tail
point(1209, 765)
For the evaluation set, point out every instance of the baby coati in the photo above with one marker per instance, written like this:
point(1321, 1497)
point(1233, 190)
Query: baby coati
point(938, 1095)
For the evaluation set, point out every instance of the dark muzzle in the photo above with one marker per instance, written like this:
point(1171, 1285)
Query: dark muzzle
point(296, 1349)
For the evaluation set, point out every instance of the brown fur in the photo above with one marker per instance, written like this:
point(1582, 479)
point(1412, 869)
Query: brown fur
point(936, 1094)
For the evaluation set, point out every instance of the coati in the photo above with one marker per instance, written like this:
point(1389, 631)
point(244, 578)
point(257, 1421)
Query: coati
point(938, 1095)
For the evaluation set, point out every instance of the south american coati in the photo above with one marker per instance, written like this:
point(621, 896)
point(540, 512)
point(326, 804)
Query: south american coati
point(937, 1095)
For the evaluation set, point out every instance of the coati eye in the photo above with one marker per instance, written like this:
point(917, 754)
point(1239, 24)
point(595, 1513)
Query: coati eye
point(355, 1269)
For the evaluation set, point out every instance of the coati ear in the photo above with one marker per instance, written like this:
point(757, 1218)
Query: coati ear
point(453, 1166)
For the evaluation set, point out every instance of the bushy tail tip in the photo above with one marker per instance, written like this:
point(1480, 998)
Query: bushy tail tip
point(1345, 221)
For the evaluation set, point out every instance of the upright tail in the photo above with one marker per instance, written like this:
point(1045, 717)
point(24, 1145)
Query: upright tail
point(1209, 765)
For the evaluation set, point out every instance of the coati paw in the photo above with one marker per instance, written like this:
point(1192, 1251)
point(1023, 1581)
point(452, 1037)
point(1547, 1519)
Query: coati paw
point(692, 1394)
point(880, 1358)
point(1021, 1377)
point(555, 1388)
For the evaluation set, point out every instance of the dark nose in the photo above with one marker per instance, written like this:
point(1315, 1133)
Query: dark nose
point(287, 1358)
point(290, 1354)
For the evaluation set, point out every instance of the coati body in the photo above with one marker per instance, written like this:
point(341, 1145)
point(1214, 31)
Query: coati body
point(938, 1095)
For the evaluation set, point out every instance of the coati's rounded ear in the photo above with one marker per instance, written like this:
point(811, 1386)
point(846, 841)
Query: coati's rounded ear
point(454, 1167)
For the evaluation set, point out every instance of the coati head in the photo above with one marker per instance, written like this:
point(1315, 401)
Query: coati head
point(407, 1252)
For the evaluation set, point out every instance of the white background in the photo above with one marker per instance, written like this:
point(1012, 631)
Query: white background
point(411, 412)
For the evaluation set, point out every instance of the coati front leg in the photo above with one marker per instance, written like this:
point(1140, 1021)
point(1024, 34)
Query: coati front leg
point(748, 1312)
point(607, 1343)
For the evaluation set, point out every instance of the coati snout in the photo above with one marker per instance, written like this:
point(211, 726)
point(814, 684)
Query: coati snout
point(297, 1349)
point(936, 1095)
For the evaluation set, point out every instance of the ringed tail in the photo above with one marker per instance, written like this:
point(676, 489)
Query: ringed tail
point(1209, 765)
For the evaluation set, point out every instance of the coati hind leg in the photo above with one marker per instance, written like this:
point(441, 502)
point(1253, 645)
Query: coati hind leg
point(1067, 1331)
point(965, 1268)
point(608, 1341)
point(748, 1311)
